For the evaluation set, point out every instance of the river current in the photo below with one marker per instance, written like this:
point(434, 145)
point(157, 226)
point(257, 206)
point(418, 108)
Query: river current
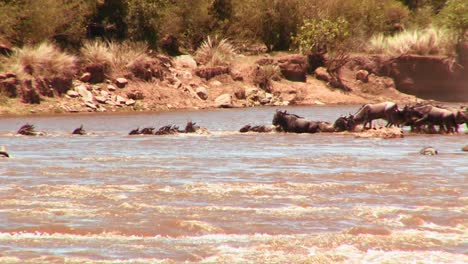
point(227, 197)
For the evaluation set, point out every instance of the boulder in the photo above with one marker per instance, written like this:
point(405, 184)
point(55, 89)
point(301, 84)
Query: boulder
point(265, 61)
point(135, 95)
point(111, 87)
point(362, 75)
point(119, 99)
point(210, 72)
point(73, 94)
point(237, 76)
point(224, 101)
point(130, 102)
point(239, 93)
point(185, 61)
point(121, 82)
point(322, 74)
point(104, 93)
point(101, 99)
point(85, 77)
point(293, 67)
point(202, 92)
point(91, 105)
point(84, 93)
point(251, 91)
point(216, 83)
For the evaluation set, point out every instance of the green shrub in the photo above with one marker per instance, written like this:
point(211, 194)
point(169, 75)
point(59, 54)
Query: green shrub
point(455, 17)
point(32, 21)
point(322, 35)
point(271, 22)
point(143, 21)
point(215, 52)
point(188, 20)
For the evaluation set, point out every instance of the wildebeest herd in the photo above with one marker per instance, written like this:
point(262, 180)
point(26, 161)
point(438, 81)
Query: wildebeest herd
point(422, 118)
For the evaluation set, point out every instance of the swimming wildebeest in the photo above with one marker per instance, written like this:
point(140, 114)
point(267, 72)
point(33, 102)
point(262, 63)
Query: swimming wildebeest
point(29, 130)
point(369, 112)
point(344, 123)
point(79, 131)
point(294, 123)
point(143, 131)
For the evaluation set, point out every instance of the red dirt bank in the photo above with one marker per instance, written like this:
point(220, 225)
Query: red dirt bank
point(183, 89)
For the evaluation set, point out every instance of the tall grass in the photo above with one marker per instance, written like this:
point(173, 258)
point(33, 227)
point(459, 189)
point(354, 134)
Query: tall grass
point(43, 61)
point(430, 41)
point(265, 74)
point(215, 52)
point(116, 58)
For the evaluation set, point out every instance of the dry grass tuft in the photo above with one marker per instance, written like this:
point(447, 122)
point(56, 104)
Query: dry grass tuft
point(215, 52)
point(430, 41)
point(265, 74)
point(97, 53)
point(115, 58)
point(44, 61)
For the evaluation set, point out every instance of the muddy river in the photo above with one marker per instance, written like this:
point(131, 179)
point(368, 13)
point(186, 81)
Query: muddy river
point(227, 197)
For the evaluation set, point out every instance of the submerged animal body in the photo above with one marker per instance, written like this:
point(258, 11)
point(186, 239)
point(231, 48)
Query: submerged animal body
point(369, 112)
point(259, 129)
point(326, 126)
point(428, 151)
point(294, 123)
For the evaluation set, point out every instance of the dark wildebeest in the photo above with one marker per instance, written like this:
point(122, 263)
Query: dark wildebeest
point(168, 130)
point(135, 131)
point(369, 112)
point(29, 130)
point(432, 115)
point(294, 123)
point(191, 127)
point(461, 114)
point(344, 123)
point(79, 131)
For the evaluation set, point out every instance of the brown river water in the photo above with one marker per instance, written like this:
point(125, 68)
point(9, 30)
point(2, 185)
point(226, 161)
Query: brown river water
point(227, 197)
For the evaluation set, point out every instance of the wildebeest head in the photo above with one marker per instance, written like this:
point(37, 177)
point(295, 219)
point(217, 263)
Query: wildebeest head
point(191, 127)
point(278, 117)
